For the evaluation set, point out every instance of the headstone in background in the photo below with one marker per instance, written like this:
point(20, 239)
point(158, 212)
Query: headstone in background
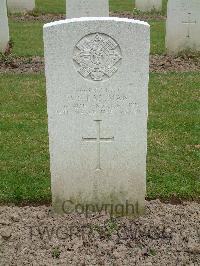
point(20, 5)
point(4, 29)
point(97, 73)
point(183, 26)
point(87, 8)
point(148, 5)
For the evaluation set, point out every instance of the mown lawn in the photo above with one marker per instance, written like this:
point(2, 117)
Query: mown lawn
point(24, 159)
point(59, 6)
point(27, 38)
point(173, 138)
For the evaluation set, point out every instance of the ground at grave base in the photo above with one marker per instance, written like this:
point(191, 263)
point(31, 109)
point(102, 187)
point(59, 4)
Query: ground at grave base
point(158, 64)
point(166, 235)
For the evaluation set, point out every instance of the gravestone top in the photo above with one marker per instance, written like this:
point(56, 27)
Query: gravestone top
point(97, 19)
point(87, 8)
point(183, 26)
point(97, 95)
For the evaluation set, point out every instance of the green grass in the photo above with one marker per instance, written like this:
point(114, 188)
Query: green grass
point(173, 135)
point(27, 38)
point(174, 151)
point(121, 5)
point(51, 6)
point(24, 159)
point(157, 37)
point(164, 7)
point(173, 138)
point(58, 6)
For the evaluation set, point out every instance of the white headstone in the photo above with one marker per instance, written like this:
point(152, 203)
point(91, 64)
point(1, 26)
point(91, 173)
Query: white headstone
point(183, 26)
point(148, 5)
point(20, 5)
point(87, 8)
point(4, 29)
point(97, 75)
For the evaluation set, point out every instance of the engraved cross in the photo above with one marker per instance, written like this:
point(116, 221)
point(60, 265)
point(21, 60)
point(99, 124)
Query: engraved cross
point(189, 22)
point(98, 141)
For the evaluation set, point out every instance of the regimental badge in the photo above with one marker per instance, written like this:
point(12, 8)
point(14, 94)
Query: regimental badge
point(97, 56)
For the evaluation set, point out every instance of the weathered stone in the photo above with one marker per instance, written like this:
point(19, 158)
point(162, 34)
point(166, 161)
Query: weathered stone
point(4, 29)
point(183, 26)
point(97, 91)
point(148, 5)
point(87, 8)
point(15, 6)
point(6, 233)
point(15, 217)
point(4, 221)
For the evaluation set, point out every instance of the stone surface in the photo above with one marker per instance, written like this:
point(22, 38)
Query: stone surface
point(87, 8)
point(148, 5)
point(4, 29)
point(6, 233)
point(170, 233)
point(97, 75)
point(20, 5)
point(183, 26)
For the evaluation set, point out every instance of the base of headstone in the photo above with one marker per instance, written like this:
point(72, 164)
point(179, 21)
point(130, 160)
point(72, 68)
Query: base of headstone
point(87, 8)
point(148, 5)
point(113, 208)
point(15, 6)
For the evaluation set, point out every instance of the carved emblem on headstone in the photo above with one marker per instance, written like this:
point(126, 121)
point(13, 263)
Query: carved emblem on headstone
point(97, 56)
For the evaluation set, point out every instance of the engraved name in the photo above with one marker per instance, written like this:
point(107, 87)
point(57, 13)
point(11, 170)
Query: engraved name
point(98, 100)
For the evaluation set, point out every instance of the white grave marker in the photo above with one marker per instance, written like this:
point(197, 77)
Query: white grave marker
point(183, 26)
point(4, 29)
point(20, 5)
point(148, 5)
point(97, 75)
point(87, 8)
